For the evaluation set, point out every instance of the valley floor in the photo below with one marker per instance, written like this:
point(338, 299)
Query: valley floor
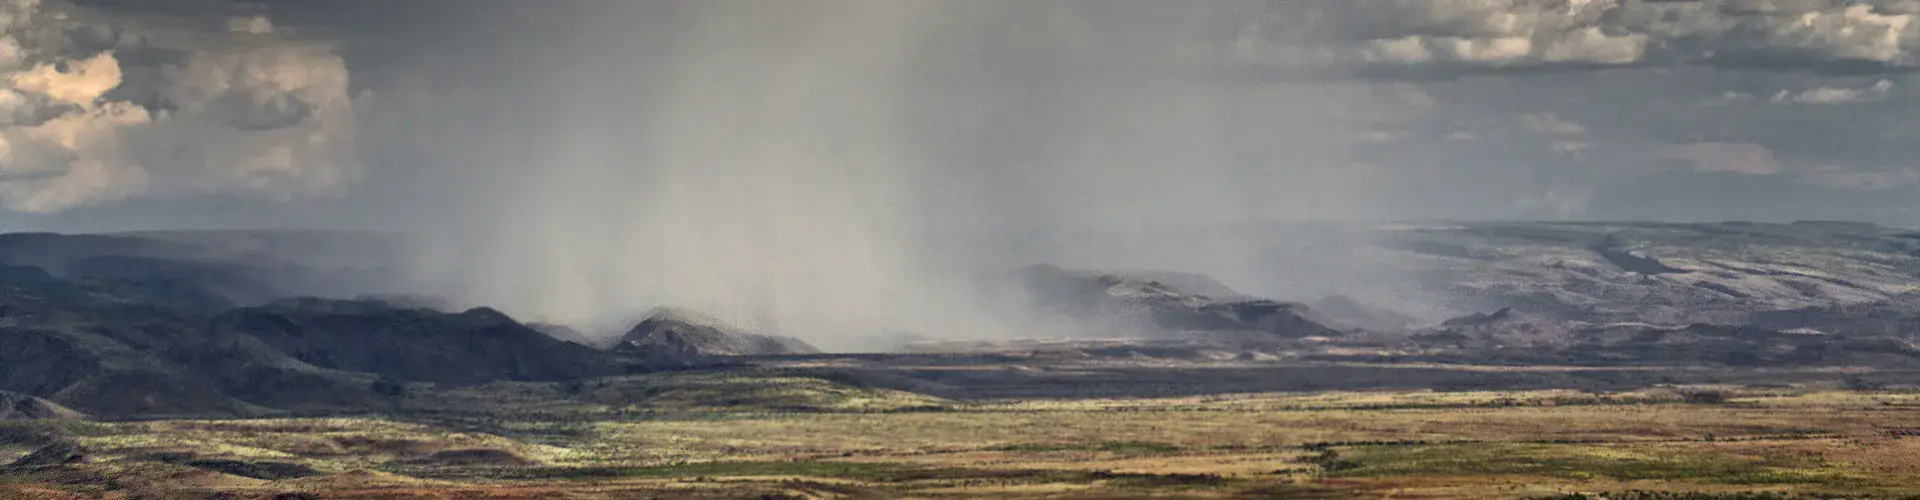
point(757, 434)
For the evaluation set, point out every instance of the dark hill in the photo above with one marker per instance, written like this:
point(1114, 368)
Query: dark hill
point(17, 406)
point(475, 346)
point(119, 349)
point(212, 270)
point(99, 351)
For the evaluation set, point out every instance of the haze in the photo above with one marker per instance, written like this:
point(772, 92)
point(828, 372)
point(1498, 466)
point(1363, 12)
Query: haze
point(849, 169)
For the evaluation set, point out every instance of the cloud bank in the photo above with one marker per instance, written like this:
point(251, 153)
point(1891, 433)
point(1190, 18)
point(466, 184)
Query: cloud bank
point(93, 113)
point(1523, 34)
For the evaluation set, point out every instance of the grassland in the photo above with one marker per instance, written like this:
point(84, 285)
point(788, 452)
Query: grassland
point(777, 435)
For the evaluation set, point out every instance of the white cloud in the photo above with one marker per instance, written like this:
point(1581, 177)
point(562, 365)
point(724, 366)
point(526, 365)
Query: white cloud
point(282, 113)
point(1592, 45)
point(1852, 32)
point(81, 83)
point(1837, 95)
point(266, 116)
point(1609, 32)
point(1485, 50)
point(1422, 49)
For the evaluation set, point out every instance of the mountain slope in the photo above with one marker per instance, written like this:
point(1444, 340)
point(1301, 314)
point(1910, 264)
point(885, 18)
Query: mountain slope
point(17, 406)
point(475, 346)
point(121, 336)
point(1656, 272)
point(87, 348)
point(678, 335)
point(1128, 304)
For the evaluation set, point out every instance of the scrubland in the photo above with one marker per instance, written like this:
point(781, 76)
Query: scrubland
point(720, 434)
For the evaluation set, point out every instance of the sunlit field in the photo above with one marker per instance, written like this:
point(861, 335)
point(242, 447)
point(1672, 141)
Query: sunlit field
point(716, 435)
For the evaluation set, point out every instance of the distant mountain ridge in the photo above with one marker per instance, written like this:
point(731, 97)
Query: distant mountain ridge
point(218, 324)
point(1669, 273)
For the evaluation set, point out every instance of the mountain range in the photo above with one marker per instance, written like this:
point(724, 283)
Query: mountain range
point(256, 323)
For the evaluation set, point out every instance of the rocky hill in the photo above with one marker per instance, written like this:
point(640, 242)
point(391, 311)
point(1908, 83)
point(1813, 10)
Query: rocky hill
point(474, 346)
point(17, 406)
point(140, 341)
point(678, 335)
point(1136, 304)
point(100, 349)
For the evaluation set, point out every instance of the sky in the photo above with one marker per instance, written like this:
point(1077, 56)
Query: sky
point(1486, 109)
point(587, 153)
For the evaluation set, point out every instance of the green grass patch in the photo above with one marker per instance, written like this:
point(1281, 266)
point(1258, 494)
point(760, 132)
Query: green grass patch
point(1572, 462)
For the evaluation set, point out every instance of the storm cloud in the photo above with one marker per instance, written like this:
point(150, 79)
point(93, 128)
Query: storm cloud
point(812, 166)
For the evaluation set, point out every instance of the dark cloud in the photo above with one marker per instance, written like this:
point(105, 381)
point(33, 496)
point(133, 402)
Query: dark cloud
point(1443, 95)
point(817, 165)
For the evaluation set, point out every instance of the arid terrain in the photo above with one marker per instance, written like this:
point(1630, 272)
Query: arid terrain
point(801, 433)
point(933, 249)
point(1777, 363)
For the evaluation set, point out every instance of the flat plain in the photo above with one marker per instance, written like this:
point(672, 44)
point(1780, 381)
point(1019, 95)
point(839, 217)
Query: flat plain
point(789, 428)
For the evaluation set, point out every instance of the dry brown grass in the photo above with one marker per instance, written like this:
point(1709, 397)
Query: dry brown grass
point(1434, 445)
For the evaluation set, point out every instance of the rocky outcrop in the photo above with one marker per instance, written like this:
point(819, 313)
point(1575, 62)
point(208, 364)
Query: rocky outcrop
point(679, 335)
point(58, 453)
point(17, 406)
point(1500, 329)
point(1120, 305)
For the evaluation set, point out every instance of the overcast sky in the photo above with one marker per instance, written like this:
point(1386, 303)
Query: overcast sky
point(211, 112)
point(812, 167)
